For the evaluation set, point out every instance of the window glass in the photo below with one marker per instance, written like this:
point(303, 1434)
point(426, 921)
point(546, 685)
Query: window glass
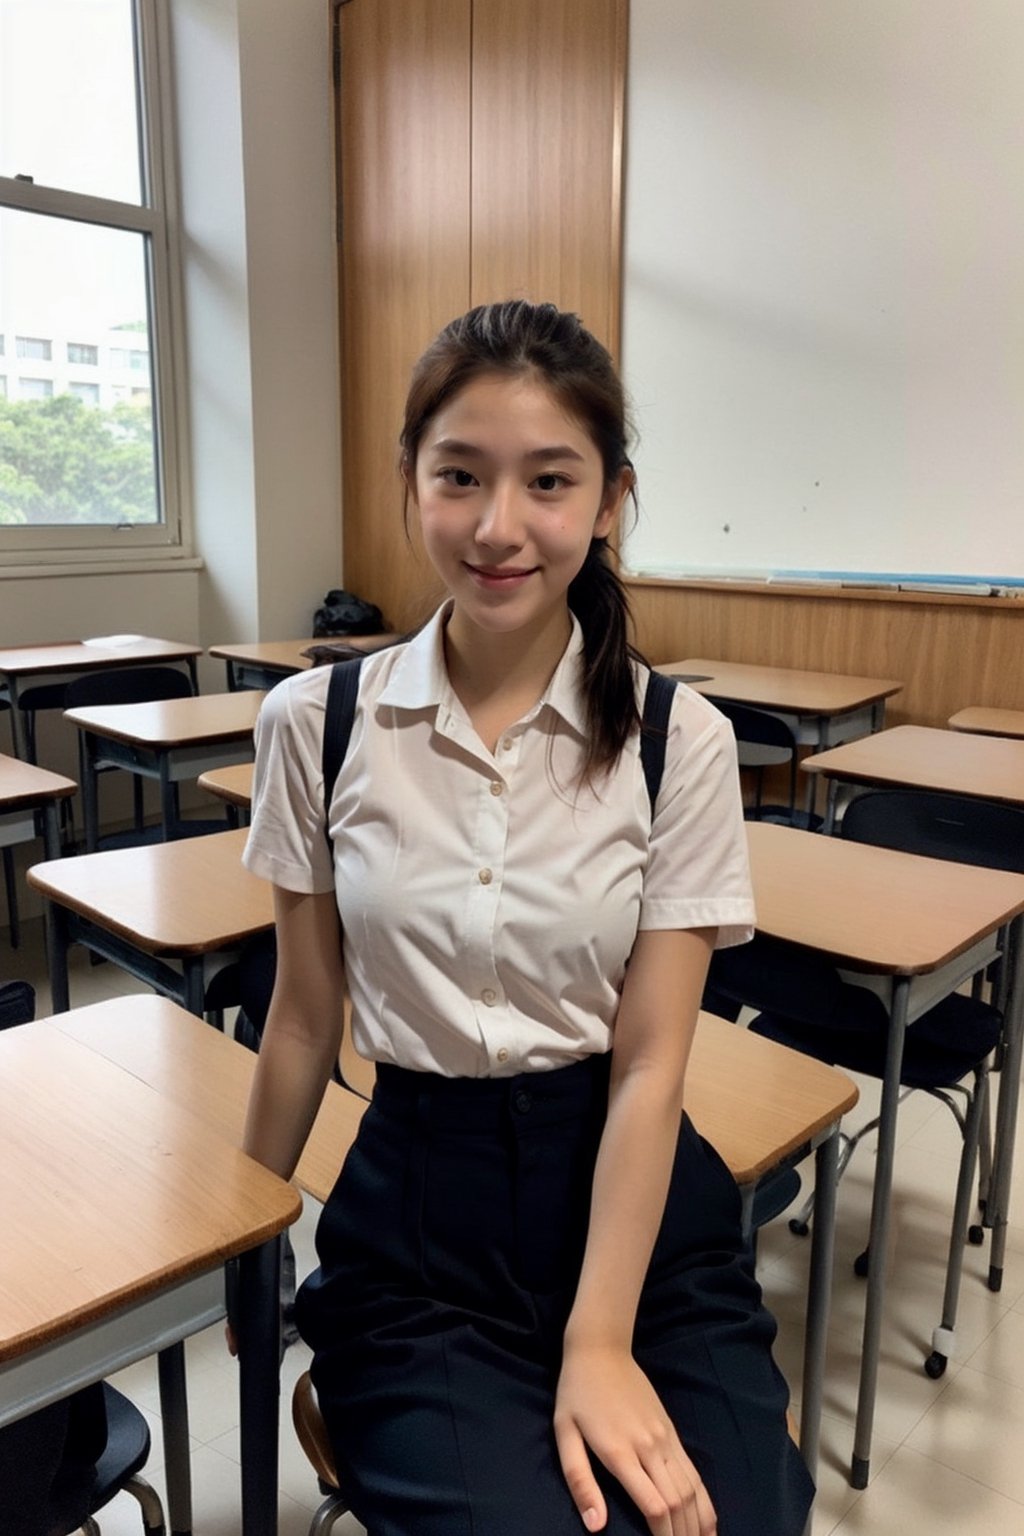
point(70, 65)
point(76, 452)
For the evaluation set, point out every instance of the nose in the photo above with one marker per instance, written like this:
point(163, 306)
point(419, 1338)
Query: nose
point(501, 525)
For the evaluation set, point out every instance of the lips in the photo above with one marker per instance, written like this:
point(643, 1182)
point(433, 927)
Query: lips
point(500, 576)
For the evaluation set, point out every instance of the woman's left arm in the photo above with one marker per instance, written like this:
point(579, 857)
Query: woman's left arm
point(604, 1401)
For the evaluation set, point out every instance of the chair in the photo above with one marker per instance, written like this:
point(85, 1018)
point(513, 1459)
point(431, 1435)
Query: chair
point(765, 741)
point(124, 685)
point(118, 1469)
point(312, 1433)
point(17, 1004)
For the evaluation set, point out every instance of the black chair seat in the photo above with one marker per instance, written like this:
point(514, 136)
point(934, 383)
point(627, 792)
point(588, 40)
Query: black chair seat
point(944, 1046)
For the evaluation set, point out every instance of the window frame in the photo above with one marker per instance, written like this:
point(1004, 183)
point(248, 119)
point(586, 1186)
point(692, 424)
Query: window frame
point(155, 218)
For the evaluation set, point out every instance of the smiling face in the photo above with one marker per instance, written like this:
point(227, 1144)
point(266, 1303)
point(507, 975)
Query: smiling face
point(510, 491)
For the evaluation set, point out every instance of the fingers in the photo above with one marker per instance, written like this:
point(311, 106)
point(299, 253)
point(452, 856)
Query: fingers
point(667, 1489)
point(579, 1475)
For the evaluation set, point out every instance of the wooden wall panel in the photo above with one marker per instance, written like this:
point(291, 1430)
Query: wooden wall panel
point(548, 90)
point(404, 165)
point(949, 651)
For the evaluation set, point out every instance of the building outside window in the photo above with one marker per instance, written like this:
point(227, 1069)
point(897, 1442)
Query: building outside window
point(88, 278)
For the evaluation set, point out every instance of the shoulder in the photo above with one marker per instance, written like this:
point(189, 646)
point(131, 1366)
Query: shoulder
point(296, 706)
point(692, 718)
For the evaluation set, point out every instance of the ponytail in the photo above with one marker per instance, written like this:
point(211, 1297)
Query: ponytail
point(598, 599)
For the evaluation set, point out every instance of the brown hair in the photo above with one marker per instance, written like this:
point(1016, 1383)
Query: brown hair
point(515, 337)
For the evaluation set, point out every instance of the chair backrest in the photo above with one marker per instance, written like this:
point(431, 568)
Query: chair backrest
point(758, 728)
point(17, 1003)
point(126, 685)
point(955, 827)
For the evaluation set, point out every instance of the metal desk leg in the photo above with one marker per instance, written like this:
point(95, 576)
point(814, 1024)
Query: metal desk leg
point(819, 1296)
point(19, 732)
point(90, 797)
point(195, 984)
point(51, 829)
point(57, 943)
point(174, 1413)
point(168, 799)
point(259, 1385)
point(879, 1237)
point(831, 807)
point(1006, 1115)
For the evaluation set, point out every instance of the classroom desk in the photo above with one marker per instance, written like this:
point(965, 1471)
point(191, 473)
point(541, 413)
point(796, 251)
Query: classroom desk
point(171, 914)
point(262, 663)
point(819, 706)
point(762, 1106)
point(24, 790)
point(20, 665)
point(925, 757)
point(989, 722)
point(233, 785)
point(921, 927)
point(170, 740)
point(121, 1209)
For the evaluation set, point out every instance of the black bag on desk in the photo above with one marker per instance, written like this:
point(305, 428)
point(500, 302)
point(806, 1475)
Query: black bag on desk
point(343, 613)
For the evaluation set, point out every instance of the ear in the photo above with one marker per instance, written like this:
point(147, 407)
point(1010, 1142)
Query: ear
point(611, 506)
point(408, 472)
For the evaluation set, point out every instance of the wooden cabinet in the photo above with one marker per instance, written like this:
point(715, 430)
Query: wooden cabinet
point(479, 158)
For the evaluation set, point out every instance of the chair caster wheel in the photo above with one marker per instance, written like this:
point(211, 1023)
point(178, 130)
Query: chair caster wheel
point(975, 1236)
point(798, 1228)
point(935, 1365)
point(861, 1264)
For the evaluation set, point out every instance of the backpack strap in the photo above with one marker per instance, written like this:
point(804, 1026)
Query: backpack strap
point(342, 692)
point(654, 731)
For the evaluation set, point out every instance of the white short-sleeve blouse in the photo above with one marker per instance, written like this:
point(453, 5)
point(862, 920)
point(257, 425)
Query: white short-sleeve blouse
point(488, 902)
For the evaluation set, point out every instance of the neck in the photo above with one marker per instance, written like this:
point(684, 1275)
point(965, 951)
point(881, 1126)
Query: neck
point(501, 676)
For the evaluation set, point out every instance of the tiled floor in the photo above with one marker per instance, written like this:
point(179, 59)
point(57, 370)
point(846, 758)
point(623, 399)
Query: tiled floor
point(948, 1455)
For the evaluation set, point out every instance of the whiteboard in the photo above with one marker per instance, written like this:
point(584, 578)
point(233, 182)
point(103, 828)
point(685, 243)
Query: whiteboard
point(823, 322)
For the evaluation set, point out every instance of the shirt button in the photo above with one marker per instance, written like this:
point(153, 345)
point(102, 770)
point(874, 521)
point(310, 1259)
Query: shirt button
point(489, 996)
point(502, 1055)
point(497, 788)
point(485, 877)
point(506, 744)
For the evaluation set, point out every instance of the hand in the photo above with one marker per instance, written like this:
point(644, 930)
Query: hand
point(605, 1401)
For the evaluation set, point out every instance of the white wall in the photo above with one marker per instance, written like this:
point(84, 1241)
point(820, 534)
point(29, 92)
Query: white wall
point(824, 317)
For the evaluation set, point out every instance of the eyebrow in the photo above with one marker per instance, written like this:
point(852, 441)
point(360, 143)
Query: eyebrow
point(469, 450)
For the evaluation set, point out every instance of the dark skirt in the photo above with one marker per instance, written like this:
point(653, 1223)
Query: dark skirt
point(449, 1254)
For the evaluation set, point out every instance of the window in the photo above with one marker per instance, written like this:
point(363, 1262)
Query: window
point(35, 347)
point(88, 279)
point(35, 389)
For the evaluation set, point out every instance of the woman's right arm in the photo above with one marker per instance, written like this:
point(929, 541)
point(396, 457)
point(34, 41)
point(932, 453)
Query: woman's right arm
point(303, 1031)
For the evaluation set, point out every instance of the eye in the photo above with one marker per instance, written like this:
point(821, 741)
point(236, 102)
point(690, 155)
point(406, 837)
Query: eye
point(551, 481)
point(458, 477)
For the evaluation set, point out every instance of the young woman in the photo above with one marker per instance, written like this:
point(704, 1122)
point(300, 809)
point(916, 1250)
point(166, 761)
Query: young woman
point(534, 1310)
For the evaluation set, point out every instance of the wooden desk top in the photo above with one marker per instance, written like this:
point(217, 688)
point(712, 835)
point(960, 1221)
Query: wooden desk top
point(23, 784)
point(232, 784)
point(782, 688)
point(77, 656)
point(165, 723)
point(203, 1071)
point(287, 654)
point(757, 1106)
point(989, 722)
point(925, 757)
point(109, 1189)
point(873, 909)
point(184, 898)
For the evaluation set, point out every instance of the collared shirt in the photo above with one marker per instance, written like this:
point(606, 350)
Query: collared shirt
point(489, 902)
